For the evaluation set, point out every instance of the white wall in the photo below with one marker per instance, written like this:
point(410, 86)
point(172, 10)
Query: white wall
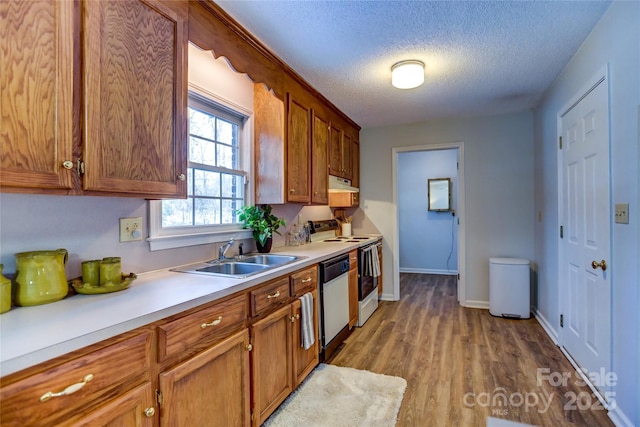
point(427, 240)
point(89, 226)
point(498, 159)
point(614, 41)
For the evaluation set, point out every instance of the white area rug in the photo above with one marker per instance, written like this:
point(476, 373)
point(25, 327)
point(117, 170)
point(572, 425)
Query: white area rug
point(335, 396)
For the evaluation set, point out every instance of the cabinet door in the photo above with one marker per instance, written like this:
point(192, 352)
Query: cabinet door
point(335, 152)
point(353, 288)
point(298, 142)
point(211, 388)
point(271, 363)
point(346, 156)
point(36, 93)
point(355, 163)
point(269, 146)
point(133, 409)
point(319, 160)
point(304, 360)
point(135, 97)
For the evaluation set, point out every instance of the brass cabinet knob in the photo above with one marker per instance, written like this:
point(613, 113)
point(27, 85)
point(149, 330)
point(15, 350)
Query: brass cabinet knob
point(182, 177)
point(249, 347)
point(149, 412)
point(602, 264)
point(293, 190)
point(67, 164)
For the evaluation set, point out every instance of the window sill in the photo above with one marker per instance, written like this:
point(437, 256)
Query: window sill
point(159, 243)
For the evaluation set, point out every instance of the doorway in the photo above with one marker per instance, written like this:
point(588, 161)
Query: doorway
point(585, 233)
point(457, 257)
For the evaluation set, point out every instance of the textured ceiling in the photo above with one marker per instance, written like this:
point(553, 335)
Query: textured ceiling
point(482, 57)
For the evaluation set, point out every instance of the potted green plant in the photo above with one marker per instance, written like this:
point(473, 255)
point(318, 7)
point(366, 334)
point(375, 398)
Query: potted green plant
point(263, 223)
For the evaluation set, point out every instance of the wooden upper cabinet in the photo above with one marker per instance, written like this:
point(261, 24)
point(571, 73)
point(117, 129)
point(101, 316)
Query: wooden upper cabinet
point(355, 163)
point(346, 156)
point(298, 151)
point(319, 160)
point(135, 103)
point(335, 151)
point(36, 94)
point(268, 128)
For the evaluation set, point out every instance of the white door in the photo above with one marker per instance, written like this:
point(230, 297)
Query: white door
point(586, 220)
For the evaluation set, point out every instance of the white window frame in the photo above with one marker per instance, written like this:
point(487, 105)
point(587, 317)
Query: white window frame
point(176, 237)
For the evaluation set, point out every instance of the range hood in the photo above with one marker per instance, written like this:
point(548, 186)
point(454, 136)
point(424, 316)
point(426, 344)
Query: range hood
point(341, 185)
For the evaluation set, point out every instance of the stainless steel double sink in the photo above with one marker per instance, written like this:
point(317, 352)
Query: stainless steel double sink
point(239, 267)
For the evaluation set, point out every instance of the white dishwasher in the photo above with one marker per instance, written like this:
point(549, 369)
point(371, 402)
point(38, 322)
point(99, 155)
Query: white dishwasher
point(334, 304)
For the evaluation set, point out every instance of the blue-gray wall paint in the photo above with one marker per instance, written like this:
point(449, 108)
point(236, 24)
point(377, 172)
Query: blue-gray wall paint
point(428, 240)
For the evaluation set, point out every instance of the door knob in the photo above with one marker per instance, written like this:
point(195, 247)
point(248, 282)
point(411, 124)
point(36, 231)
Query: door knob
point(602, 264)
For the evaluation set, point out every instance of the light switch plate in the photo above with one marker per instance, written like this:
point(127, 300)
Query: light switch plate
point(130, 229)
point(622, 213)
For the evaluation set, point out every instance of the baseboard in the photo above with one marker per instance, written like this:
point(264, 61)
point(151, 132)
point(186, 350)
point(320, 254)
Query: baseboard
point(387, 297)
point(615, 414)
point(618, 418)
point(551, 332)
point(475, 304)
point(428, 271)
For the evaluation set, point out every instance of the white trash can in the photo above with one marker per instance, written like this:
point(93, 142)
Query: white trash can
point(509, 288)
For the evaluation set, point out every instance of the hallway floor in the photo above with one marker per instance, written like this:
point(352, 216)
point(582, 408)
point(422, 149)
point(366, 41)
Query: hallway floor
point(463, 365)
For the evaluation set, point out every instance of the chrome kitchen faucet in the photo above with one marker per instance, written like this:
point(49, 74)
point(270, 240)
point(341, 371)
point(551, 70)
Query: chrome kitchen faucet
point(224, 248)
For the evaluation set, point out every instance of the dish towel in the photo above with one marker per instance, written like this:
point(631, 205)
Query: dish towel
point(306, 305)
point(371, 261)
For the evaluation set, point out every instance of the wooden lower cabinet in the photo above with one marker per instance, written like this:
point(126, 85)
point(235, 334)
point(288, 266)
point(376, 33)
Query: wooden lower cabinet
point(304, 361)
point(380, 277)
point(272, 362)
point(210, 366)
point(210, 389)
point(353, 288)
point(133, 409)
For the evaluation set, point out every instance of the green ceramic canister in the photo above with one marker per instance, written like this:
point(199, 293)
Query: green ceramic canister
point(5, 292)
point(40, 277)
point(110, 271)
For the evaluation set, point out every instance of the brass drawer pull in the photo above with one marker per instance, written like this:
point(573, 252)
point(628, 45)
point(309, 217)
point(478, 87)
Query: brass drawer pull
point(149, 412)
point(276, 295)
point(214, 323)
point(307, 280)
point(67, 391)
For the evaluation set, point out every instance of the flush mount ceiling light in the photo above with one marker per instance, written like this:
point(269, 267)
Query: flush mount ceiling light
point(407, 74)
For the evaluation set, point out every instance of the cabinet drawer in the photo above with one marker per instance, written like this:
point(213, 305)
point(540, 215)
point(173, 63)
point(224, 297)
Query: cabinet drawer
point(202, 327)
point(304, 281)
point(269, 295)
point(95, 377)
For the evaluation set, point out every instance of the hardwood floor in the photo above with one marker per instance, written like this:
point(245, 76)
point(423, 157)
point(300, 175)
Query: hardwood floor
point(463, 365)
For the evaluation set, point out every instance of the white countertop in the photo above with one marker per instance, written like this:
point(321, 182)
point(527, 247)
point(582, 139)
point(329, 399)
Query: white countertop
point(32, 335)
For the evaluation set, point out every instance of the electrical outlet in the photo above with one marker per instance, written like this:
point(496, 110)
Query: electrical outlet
point(130, 229)
point(622, 213)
